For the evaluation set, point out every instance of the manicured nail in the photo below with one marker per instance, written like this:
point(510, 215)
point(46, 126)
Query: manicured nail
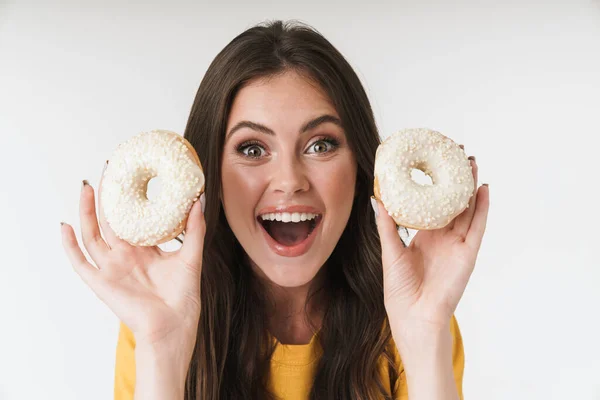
point(105, 165)
point(84, 183)
point(486, 184)
point(374, 205)
point(461, 146)
point(472, 158)
point(61, 223)
point(202, 202)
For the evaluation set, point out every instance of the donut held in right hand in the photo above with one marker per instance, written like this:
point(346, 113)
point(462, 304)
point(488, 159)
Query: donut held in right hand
point(156, 294)
point(160, 154)
point(416, 206)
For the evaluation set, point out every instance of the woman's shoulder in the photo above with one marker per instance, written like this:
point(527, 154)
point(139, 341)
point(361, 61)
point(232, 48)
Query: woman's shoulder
point(125, 363)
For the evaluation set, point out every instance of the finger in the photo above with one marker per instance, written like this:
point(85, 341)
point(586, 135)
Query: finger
point(80, 264)
point(111, 238)
point(391, 245)
point(477, 228)
point(463, 221)
point(193, 243)
point(90, 232)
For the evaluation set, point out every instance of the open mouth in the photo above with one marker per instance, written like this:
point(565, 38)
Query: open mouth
point(290, 233)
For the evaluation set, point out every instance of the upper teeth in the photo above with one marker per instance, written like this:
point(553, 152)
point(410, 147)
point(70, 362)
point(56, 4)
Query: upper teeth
point(288, 217)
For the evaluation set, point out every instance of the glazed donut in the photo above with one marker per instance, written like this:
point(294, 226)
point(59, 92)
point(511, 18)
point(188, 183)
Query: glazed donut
point(409, 203)
point(125, 205)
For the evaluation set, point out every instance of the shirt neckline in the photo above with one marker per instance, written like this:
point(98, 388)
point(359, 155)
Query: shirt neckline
point(296, 354)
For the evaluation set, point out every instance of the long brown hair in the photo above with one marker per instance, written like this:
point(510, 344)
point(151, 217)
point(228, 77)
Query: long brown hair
point(231, 359)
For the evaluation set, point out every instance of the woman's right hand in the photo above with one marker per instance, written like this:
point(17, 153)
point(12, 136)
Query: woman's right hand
point(155, 293)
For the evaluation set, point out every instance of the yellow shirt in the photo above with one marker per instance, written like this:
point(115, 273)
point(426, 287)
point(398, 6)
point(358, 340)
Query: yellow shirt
point(292, 367)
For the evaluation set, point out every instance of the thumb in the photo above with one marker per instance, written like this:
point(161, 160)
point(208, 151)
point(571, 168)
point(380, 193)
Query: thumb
point(391, 244)
point(195, 228)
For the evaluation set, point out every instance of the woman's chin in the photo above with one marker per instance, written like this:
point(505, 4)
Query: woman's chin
point(288, 275)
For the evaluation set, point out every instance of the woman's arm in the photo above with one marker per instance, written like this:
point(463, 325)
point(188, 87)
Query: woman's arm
point(427, 359)
point(156, 295)
point(423, 283)
point(161, 370)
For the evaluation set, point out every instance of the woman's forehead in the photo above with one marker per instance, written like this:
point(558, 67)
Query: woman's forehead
point(289, 92)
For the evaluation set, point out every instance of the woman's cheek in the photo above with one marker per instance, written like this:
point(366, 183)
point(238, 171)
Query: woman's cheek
point(339, 182)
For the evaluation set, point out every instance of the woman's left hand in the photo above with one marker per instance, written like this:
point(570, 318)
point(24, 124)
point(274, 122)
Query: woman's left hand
point(424, 282)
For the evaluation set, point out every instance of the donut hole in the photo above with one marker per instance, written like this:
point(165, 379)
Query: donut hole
point(420, 177)
point(153, 188)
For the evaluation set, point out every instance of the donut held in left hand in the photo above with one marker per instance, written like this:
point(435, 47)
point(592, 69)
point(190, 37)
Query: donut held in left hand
point(155, 154)
point(409, 203)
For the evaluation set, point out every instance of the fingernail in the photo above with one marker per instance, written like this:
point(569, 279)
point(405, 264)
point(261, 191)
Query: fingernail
point(202, 202)
point(61, 223)
point(84, 183)
point(472, 158)
point(105, 165)
point(485, 184)
point(462, 146)
point(374, 205)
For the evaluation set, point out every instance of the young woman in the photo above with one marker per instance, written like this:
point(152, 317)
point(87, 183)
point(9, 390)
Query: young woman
point(282, 124)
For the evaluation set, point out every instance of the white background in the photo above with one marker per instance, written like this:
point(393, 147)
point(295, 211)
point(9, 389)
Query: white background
point(518, 83)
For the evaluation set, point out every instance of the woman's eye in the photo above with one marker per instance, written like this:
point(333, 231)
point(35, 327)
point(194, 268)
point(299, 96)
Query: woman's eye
point(254, 151)
point(324, 145)
point(251, 149)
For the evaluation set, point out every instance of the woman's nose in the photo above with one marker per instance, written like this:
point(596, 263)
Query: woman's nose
point(289, 176)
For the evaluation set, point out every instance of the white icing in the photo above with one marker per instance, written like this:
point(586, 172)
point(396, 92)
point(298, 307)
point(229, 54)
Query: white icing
point(423, 206)
point(132, 216)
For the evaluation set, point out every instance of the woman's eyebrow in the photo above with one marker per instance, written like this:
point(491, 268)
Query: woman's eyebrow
point(307, 127)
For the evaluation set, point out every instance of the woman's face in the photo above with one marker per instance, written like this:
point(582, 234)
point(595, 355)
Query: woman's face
point(286, 158)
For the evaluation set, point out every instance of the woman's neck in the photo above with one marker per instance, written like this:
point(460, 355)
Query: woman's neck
point(291, 320)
